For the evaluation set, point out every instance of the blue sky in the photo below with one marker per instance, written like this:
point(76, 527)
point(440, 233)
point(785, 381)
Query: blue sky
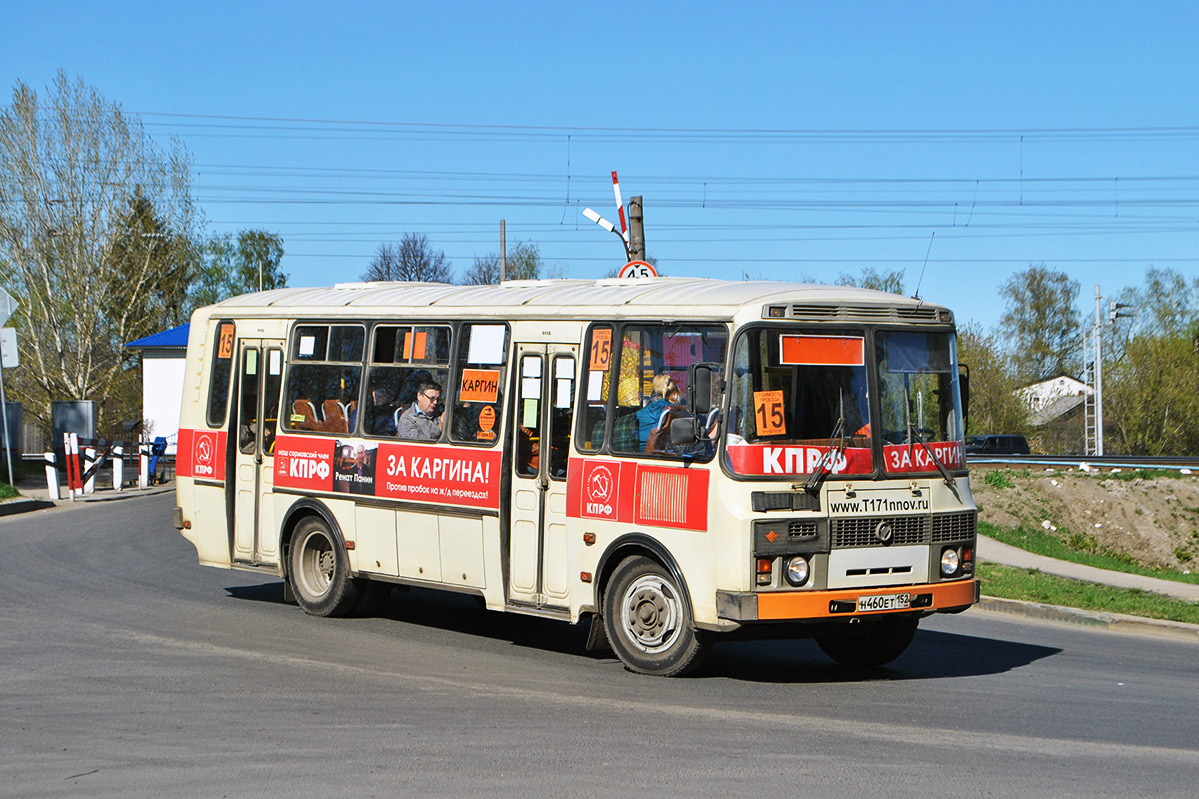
point(849, 134)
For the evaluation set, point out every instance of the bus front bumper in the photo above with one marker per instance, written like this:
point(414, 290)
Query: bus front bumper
point(946, 597)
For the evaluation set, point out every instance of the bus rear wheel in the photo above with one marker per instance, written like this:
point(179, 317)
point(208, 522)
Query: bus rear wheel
point(870, 643)
point(648, 622)
point(320, 571)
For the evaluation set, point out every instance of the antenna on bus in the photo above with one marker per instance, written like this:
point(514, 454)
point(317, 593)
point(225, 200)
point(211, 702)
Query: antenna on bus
point(920, 280)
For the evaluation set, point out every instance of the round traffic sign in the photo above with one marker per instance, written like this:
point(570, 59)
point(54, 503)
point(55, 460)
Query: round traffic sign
point(638, 269)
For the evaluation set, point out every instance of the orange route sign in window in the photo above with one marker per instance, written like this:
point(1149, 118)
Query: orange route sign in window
point(768, 413)
point(601, 349)
point(822, 351)
point(225, 347)
point(479, 385)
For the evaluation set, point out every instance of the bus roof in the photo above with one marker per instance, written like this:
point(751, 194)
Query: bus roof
point(666, 297)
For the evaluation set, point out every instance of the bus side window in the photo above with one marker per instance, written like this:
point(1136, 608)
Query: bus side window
point(220, 377)
point(402, 358)
point(597, 380)
point(476, 395)
point(322, 384)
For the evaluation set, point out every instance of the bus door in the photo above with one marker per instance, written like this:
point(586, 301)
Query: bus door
point(254, 425)
point(544, 388)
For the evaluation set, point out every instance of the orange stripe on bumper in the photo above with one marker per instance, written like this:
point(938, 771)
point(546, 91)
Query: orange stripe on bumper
point(815, 604)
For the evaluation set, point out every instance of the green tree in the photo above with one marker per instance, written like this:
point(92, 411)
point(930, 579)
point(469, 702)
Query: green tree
point(871, 278)
point(229, 266)
point(994, 406)
point(95, 222)
point(1042, 323)
point(1151, 397)
point(413, 259)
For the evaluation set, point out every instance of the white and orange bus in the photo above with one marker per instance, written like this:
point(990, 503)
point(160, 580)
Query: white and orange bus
point(666, 459)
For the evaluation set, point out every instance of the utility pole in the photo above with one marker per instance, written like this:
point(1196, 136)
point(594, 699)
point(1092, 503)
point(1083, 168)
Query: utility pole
point(636, 230)
point(1098, 377)
point(503, 251)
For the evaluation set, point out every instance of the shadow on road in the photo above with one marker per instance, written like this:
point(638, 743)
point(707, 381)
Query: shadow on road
point(932, 655)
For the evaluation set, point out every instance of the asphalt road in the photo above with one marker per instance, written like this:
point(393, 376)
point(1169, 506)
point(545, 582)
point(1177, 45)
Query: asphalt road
point(127, 670)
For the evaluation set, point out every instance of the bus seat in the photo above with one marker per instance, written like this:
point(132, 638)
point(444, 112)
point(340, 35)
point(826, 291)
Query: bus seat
point(335, 417)
point(626, 434)
point(659, 437)
point(305, 408)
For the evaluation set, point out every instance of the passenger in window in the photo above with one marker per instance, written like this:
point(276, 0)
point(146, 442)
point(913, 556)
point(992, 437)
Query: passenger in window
point(382, 415)
point(666, 394)
point(423, 418)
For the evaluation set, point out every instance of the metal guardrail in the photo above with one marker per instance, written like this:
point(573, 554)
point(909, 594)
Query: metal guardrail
point(1107, 461)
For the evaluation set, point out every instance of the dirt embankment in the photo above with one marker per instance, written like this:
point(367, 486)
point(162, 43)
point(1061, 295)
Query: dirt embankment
point(1155, 520)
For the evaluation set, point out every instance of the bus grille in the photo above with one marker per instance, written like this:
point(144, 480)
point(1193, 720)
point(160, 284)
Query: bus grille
point(861, 532)
point(955, 526)
point(663, 497)
point(882, 313)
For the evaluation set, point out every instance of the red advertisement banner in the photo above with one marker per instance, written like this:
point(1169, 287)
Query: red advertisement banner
point(200, 454)
point(637, 493)
point(415, 472)
point(915, 458)
point(439, 474)
point(766, 459)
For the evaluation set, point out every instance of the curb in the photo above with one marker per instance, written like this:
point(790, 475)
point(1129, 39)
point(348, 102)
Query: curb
point(24, 505)
point(29, 504)
point(1115, 622)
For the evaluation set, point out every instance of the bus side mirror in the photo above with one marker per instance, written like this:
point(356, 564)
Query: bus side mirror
point(700, 377)
point(964, 389)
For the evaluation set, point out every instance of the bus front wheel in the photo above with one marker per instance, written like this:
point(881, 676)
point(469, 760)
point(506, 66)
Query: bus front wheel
point(870, 643)
point(320, 571)
point(647, 620)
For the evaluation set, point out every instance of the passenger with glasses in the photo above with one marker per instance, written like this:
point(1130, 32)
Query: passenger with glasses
point(423, 418)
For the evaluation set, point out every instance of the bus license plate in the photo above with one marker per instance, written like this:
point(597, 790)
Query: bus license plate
point(884, 602)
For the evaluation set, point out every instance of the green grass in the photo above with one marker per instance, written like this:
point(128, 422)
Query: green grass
point(1142, 474)
point(1080, 549)
point(1031, 585)
point(7, 492)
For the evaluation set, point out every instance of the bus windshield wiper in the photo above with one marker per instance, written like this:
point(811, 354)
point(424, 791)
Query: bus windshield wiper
point(836, 443)
point(916, 434)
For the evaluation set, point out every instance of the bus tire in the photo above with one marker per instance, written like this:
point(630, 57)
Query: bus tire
point(648, 622)
point(320, 571)
point(870, 643)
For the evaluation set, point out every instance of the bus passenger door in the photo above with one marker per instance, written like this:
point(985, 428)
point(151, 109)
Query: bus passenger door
point(545, 391)
point(259, 379)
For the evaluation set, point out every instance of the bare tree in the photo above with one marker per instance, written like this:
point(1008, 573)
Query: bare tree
point(413, 259)
point(523, 263)
point(484, 271)
point(96, 225)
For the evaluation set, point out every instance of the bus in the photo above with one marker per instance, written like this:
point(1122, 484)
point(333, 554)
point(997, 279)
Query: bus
point(667, 460)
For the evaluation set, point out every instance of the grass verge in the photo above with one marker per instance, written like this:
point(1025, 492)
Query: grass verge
point(7, 492)
point(1041, 542)
point(1032, 585)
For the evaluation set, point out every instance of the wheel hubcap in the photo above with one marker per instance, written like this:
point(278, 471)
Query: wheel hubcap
point(650, 614)
point(317, 564)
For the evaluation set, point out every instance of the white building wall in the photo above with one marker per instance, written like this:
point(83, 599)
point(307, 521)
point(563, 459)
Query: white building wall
point(162, 393)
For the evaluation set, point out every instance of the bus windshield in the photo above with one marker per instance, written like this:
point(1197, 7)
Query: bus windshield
point(798, 403)
point(921, 413)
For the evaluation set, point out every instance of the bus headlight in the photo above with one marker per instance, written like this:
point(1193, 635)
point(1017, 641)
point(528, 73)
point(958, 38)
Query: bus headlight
point(949, 562)
point(797, 570)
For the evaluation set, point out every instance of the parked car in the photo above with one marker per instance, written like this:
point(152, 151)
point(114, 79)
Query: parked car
point(997, 445)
